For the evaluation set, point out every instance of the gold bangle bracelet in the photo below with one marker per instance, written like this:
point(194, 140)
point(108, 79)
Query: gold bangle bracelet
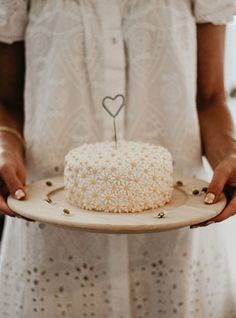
point(15, 133)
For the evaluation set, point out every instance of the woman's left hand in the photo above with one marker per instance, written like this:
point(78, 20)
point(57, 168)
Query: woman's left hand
point(223, 180)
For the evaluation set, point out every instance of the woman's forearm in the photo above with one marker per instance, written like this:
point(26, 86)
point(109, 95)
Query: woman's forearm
point(12, 170)
point(216, 125)
point(12, 68)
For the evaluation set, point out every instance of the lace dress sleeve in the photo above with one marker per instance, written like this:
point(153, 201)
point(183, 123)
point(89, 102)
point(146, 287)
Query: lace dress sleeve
point(13, 20)
point(214, 11)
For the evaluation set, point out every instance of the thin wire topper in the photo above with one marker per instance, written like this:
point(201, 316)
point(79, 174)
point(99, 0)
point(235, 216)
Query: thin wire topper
point(113, 109)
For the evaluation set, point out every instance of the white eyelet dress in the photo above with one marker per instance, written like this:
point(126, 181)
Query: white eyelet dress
point(77, 52)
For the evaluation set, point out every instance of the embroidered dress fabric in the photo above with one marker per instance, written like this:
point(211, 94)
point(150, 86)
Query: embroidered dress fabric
point(77, 52)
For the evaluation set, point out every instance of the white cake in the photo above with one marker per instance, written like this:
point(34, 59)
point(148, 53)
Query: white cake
point(133, 177)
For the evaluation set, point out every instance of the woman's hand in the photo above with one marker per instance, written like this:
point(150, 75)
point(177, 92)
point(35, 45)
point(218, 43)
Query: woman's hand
point(224, 179)
point(12, 172)
point(216, 123)
point(12, 79)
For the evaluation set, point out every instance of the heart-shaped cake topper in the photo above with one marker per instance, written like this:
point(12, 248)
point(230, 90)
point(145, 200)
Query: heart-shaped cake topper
point(113, 105)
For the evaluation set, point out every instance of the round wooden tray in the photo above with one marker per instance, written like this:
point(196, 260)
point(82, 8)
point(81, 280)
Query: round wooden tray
point(46, 202)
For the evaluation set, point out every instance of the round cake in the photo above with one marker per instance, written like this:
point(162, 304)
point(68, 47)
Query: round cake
point(131, 177)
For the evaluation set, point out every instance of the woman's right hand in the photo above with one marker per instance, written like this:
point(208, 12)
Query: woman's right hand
point(12, 172)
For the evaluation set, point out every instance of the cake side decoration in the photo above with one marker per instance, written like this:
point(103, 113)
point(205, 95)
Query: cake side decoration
point(133, 177)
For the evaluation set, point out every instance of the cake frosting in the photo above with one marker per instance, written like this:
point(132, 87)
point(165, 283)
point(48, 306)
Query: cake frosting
point(131, 177)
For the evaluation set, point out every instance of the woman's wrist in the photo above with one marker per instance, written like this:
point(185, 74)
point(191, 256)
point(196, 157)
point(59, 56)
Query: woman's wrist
point(14, 132)
point(217, 129)
point(216, 155)
point(9, 143)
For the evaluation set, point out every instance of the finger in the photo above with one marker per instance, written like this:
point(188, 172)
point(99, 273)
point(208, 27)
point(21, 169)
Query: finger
point(229, 192)
point(21, 173)
point(24, 218)
point(216, 186)
point(229, 211)
point(4, 192)
point(4, 209)
point(1, 182)
point(207, 223)
point(13, 183)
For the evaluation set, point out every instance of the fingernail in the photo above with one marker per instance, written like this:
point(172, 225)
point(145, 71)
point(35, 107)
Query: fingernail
point(209, 199)
point(19, 194)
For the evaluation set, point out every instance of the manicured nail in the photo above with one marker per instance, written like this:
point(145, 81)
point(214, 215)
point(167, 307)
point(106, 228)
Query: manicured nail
point(19, 194)
point(209, 199)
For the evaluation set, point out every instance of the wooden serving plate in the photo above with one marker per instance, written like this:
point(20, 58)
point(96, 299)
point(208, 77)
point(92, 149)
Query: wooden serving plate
point(46, 202)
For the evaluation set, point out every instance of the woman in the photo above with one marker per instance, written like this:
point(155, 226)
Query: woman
point(77, 52)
